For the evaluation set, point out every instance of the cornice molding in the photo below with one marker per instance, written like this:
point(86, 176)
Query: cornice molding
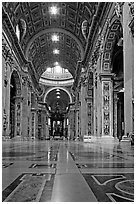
point(106, 76)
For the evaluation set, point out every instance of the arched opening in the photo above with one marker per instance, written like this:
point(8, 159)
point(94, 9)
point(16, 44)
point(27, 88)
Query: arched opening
point(15, 105)
point(58, 102)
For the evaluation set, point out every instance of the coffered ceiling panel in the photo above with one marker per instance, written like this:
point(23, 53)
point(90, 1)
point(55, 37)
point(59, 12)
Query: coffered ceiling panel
point(39, 24)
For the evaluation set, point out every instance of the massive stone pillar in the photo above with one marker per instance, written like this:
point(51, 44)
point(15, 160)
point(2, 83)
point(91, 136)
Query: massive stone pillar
point(6, 99)
point(72, 122)
point(115, 115)
point(128, 45)
point(107, 104)
point(24, 108)
point(84, 116)
point(18, 116)
point(77, 122)
point(7, 58)
point(51, 127)
point(95, 104)
point(90, 104)
point(90, 115)
point(33, 124)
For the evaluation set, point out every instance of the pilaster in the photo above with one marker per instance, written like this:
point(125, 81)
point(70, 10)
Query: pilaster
point(72, 122)
point(115, 115)
point(24, 108)
point(128, 47)
point(84, 116)
point(107, 104)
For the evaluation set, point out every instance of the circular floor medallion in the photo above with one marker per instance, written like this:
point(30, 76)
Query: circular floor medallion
point(126, 186)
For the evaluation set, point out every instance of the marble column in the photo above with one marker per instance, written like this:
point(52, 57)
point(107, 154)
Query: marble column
point(119, 120)
point(72, 122)
point(24, 108)
point(84, 116)
point(6, 73)
point(90, 112)
point(107, 104)
point(51, 127)
point(128, 52)
point(77, 123)
point(33, 125)
point(18, 116)
point(115, 115)
point(95, 106)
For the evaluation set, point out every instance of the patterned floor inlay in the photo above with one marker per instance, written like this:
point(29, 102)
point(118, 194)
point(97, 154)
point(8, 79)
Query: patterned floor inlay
point(112, 187)
point(43, 158)
point(40, 166)
point(105, 165)
point(5, 165)
point(17, 154)
point(29, 188)
point(94, 156)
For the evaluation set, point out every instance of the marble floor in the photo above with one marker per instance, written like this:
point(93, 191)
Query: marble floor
point(67, 171)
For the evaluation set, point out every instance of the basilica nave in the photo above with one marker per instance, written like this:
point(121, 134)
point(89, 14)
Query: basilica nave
point(68, 101)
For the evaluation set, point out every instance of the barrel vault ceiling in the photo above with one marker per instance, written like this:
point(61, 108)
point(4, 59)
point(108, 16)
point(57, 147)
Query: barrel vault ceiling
point(39, 25)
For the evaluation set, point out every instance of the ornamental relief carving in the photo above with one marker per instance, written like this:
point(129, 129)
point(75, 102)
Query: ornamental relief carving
point(6, 52)
point(5, 122)
point(8, 59)
point(8, 56)
point(24, 80)
point(18, 118)
point(106, 108)
point(99, 47)
point(118, 9)
point(96, 53)
point(83, 79)
point(131, 11)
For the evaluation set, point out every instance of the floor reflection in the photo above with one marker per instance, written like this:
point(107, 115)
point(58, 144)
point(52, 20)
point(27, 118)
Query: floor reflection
point(30, 169)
